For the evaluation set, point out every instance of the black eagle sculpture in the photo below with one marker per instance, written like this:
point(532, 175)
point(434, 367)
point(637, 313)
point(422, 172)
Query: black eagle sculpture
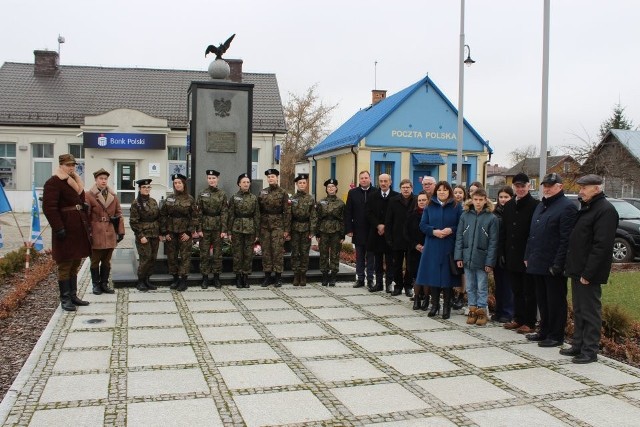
point(221, 49)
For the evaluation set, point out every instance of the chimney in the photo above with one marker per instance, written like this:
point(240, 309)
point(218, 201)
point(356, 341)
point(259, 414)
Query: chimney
point(377, 95)
point(47, 63)
point(235, 65)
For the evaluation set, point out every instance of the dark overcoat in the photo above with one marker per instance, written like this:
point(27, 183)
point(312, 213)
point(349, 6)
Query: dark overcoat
point(397, 212)
point(101, 210)
point(516, 221)
point(376, 214)
point(355, 214)
point(61, 195)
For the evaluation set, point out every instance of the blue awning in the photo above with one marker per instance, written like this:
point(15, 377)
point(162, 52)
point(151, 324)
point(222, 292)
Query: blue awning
point(427, 159)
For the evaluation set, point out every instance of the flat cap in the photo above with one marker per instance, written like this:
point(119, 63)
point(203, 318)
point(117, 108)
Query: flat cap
point(243, 175)
point(331, 181)
point(590, 179)
point(272, 172)
point(301, 176)
point(66, 159)
point(213, 172)
point(142, 182)
point(99, 172)
point(520, 178)
point(178, 176)
point(552, 178)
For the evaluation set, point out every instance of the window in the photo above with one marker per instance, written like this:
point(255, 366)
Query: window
point(255, 153)
point(534, 183)
point(333, 167)
point(77, 151)
point(177, 162)
point(382, 167)
point(8, 165)
point(42, 155)
point(567, 167)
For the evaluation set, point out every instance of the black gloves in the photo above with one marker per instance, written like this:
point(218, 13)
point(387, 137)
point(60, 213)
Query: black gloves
point(120, 237)
point(61, 234)
point(554, 270)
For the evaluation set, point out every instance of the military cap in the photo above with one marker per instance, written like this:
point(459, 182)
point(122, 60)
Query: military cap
point(331, 181)
point(272, 172)
point(213, 172)
point(302, 176)
point(590, 179)
point(142, 182)
point(99, 172)
point(520, 178)
point(66, 159)
point(552, 178)
point(243, 175)
point(178, 176)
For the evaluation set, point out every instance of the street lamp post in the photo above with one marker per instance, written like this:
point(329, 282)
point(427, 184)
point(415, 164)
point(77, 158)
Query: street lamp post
point(461, 63)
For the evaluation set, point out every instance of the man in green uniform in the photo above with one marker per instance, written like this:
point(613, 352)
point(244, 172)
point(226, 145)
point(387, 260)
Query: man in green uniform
point(303, 225)
point(212, 205)
point(330, 232)
point(275, 223)
point(144, 219)
point(244, 223)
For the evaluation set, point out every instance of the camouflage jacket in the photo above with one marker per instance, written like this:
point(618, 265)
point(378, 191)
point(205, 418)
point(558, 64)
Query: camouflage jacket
point(179, 214)
point(144, 218)
point(330, 216)
point(275, 211)
point(213, 207)
point(244, 214)
point(303, 213)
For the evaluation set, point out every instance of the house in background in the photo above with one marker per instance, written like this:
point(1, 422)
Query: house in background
point(566, 166)
point(410, 134)
point(617, 160)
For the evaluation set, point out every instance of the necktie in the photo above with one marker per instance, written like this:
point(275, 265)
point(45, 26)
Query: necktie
point(384, 195)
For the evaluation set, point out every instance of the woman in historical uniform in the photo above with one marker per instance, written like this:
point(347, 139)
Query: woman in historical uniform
point(144, 219)
point(330, 232)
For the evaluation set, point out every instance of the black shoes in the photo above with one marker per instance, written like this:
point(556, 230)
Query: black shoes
point(397, 290)
point(359, 284)
point(408, 292)
point(267, 279)
point(582, 359)
point(549, 343)
point(535, 337)
point(376, 288)
point(570, 351)
point(369, 283)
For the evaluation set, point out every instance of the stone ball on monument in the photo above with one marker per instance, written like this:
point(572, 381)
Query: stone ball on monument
point(219, 69)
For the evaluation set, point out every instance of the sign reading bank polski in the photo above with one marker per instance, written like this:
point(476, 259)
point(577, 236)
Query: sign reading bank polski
point(124, 141)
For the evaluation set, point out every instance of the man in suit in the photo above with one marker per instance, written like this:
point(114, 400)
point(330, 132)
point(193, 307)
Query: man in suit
point(377, 242)
point(356, 225)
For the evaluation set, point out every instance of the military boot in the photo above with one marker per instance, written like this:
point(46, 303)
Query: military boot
point(303, 278)
point(239, 283)
point(267, 279)
point(182, 286)
point(278, 280)
point(175, 283)
point(95, 281)
point(65, 295)
point(104, 280)
point(216, 281)
point(150, 286)
point(142, 285)
point(332, 280)
point(205, 281)
point(73, 282)
point(296, 278)
point(325, 278)
point(245, 280)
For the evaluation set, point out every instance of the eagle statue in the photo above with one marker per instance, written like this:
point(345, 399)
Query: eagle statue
point(221, 49)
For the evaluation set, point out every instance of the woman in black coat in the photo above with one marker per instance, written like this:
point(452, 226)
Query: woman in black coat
point(415, 241)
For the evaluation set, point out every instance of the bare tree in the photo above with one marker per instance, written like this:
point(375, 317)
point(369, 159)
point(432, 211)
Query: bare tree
point(307, 120)
point(522, 153)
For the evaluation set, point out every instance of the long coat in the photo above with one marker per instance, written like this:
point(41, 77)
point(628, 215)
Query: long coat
point(101, 210)
point(376, 214)
point(355, 214)
point(62, 193)
point(394, 222)
point(435, 269)
point(516, 221)
point(589, 253)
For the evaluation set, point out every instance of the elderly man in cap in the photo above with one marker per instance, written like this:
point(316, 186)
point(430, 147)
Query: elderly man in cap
point(212, 203)
point(330, 232)
point(244, 223)
point(516, 221)
point(275, 224)
point(303, 225)
point(551, 225)
point(63, 203)
point(107, 229)
point(588, 264)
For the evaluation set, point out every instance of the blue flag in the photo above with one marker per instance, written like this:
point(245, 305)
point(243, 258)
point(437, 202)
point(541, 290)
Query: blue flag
point(36, 237)
point(5, 206)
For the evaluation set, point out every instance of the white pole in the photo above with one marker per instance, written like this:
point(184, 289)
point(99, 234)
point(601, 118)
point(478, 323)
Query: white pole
point(545, 94)
point(460, 136)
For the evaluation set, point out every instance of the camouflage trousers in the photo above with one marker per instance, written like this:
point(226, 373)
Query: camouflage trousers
point(178, 254)
point(329, 248)
point(211, 264)
point(272, 242)
point(242, 249)
point(300, 245)
point(148, 253)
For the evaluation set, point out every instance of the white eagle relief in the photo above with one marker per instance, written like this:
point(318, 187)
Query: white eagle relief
point(222, 107)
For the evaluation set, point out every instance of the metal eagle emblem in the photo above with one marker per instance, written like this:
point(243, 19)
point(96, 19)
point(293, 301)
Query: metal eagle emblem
point(222, 107)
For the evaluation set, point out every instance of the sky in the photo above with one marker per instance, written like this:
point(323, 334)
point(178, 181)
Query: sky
point(348, 48)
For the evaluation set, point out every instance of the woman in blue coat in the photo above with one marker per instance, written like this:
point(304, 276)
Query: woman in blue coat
point(439, 224)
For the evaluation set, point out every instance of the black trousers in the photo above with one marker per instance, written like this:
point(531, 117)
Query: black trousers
point(524, 298)
point(401, 276)
point(587, 314)
point(384, 267)
point(551, 295)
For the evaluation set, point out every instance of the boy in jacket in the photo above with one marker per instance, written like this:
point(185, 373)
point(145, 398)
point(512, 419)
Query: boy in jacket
point(477, 250)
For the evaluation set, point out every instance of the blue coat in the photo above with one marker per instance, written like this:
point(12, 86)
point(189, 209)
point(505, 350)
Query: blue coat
point(477, 238)
point(434, 269)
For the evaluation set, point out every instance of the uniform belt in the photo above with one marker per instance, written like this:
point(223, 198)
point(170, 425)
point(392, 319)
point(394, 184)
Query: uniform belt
point(147, 220)
point(244, 215)
point(272, 213)
point(211, 213)
point(301, 219)
point(71, 208)
point(103, 219)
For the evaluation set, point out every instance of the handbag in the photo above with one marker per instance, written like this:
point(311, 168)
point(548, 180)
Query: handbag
point(453, 266)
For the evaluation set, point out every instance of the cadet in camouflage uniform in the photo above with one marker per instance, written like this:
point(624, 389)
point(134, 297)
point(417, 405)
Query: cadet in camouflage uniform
point(244, 223)
point(212, 204)
point(144, 219)
point(303, 226)
point(179, 223)
point(330, 232)
point(275, 223)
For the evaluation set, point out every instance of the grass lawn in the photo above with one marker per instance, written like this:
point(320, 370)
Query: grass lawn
point(623, 289)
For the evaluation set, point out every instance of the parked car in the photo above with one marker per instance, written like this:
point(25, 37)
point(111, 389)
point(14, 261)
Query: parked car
point(627, 243)
point(634, 201)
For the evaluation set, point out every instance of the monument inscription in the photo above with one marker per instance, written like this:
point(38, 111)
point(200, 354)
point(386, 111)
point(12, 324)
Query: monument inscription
point(222, 142)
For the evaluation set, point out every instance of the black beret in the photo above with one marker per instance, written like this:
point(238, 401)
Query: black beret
point(272, 172)
point(331, 181)
point(590, 179)
point(302, 176)
point(552, 178)
point(142, 182)
point(244, 175)
point(520, 178)
point(178, 176)
point(213, 172)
